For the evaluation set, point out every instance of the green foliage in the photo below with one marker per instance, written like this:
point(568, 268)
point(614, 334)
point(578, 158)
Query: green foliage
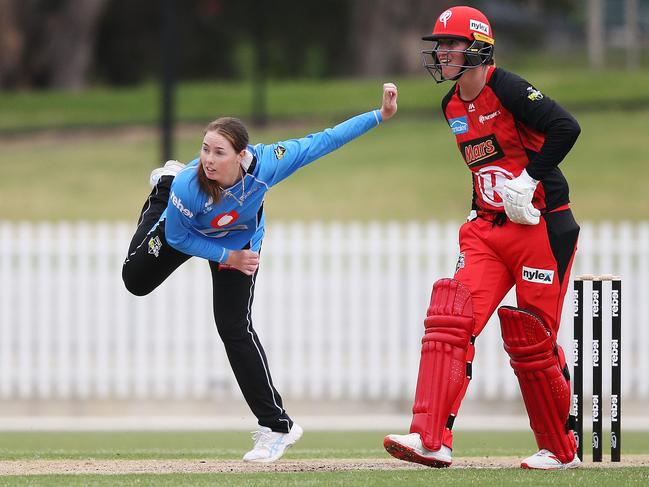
point(408, 168)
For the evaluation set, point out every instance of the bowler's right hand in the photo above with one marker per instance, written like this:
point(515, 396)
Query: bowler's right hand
point(245, 261)
point(389, 105)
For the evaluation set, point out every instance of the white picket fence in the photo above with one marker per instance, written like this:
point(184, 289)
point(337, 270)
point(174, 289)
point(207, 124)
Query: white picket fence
point(339, 309)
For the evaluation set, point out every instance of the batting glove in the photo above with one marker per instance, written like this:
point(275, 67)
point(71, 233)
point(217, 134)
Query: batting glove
point(517, 196)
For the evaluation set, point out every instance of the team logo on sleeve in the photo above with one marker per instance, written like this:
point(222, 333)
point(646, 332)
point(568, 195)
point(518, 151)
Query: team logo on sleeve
point(459, 125)
point(481, 151)
point(279, 152)
point(533, 94)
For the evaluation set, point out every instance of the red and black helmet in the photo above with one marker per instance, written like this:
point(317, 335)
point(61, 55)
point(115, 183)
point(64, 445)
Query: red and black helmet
point(466, 23)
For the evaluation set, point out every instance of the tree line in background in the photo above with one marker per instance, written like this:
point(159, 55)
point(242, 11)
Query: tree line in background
point(69, 44)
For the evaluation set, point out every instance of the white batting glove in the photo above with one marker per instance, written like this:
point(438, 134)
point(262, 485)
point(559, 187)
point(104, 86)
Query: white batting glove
point(517, 196)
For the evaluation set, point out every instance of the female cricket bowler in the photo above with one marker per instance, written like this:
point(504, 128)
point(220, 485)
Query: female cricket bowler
point(213, 208)
point(520, 232)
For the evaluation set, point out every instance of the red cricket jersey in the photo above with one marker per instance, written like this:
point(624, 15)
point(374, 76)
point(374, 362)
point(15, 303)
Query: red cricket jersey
point(508, 127)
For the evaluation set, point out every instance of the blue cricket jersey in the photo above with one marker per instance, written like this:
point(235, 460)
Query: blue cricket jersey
point(195, 225)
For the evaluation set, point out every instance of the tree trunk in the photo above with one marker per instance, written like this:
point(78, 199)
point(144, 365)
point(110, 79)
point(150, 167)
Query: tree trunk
point(386, 34)
point(71, 39)
point(11, 43)
point(596, 34)
point(631, 15)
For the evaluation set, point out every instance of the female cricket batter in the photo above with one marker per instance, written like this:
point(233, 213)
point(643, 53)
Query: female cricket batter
point(213, 208)
point(520, 232)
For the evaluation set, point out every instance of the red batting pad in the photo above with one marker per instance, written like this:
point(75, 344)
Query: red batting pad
point(443, 364)
point(538, 364)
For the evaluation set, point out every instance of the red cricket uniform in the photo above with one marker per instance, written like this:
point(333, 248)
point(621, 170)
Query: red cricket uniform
point(508, 127)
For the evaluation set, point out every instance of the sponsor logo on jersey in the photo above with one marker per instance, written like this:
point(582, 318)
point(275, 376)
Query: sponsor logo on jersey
point(481, 151)
point(155, 244)
point(489, 116)
point(177, 202)
point(445, 17)
point(539, 276)
point(224, 219)
point(479, 26)
point(459, 125)
point(279, 152)
point(471, 108)
point(533, 94)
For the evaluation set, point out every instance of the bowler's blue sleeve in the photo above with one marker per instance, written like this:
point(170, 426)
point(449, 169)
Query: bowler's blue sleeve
point(280, 160)
point(180, 232)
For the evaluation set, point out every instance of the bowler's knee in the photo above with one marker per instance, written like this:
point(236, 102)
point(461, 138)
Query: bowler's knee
point(134, 282)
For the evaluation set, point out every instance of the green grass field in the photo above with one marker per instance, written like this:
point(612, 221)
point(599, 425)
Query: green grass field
point(408, 168)
point(577, 89)
point(95, 163)
point(215, 447)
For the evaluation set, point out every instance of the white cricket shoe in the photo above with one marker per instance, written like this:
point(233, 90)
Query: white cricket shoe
point(411, 449)
point(171, 168)
point(270, 445)
point(546, 460)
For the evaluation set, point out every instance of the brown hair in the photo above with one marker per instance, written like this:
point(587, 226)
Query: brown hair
point(236, 133)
